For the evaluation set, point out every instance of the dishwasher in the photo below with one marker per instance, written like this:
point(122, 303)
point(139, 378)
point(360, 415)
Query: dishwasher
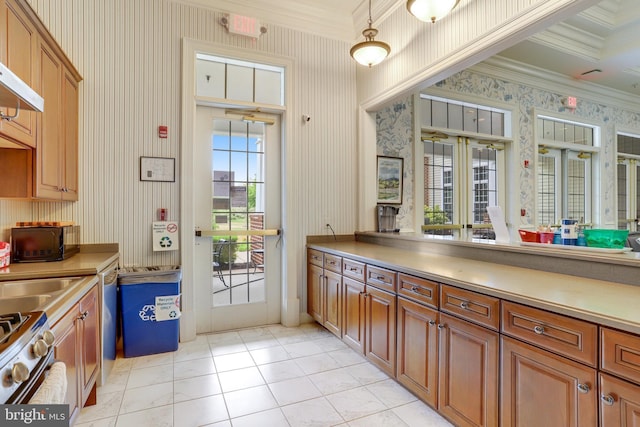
point(108, 286)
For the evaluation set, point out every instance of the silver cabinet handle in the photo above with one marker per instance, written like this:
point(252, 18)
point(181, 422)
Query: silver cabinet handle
point(414, 289)
point(432, 322)
point(607, 399)
point(464, 304)
point(441, 326)
point(381, 278)
point(538, 329)
point(583, 388)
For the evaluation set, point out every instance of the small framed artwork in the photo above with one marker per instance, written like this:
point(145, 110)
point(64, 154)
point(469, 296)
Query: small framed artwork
point(161, 169)
point(390, 180)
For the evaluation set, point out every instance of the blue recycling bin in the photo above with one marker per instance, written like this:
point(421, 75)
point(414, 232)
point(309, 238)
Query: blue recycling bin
point(142, 332)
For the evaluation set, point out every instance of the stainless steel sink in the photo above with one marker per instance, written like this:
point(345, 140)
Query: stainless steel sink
point(23, 304)
point(35, 286)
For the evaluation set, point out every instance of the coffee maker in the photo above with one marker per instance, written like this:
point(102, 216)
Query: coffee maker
point(386, 218)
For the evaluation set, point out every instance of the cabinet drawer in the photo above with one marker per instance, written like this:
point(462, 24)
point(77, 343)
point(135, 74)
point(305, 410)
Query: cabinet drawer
point(353, 269)
point(471, 306)
point(314, 257)
point(569, 337)
point(381, 278)
point(333, 263)
point(417, 289)
point(620, 353)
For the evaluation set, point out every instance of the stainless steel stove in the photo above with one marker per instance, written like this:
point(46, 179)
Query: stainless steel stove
point(26, 351)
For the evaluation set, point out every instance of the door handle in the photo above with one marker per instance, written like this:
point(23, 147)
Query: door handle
point(214, 233)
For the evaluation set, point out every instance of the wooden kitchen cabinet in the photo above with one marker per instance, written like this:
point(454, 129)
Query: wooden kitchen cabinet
point(77, 344)
point(332, 303)
point(353, 313)
point(619, 402)
point(468, 372)
point(314, 292)
point(537, 383)
point(380, 327)
point(324, 290)
point(417, 364)
point(18, 52)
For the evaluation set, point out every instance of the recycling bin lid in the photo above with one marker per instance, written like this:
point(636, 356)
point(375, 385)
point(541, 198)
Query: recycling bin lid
point(163, 273)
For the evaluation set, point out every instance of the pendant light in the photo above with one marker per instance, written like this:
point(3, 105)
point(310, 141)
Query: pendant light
point(431, 10)
point(370, 52)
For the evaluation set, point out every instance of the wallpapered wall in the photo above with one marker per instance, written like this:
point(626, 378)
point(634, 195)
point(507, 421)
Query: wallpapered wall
point(395, 135)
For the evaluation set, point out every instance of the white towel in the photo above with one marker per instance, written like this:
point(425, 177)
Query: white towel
point(54, 387)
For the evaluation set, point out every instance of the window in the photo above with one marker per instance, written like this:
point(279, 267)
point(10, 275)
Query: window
point(564, 171)
point(628, 176)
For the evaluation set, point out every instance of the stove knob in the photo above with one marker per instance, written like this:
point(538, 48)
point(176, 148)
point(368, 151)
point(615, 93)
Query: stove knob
point(40, 348)
point(48, 338)
point(19, 372)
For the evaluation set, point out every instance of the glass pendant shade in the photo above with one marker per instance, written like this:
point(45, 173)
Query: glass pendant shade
point(370, 52)
point(431, 10)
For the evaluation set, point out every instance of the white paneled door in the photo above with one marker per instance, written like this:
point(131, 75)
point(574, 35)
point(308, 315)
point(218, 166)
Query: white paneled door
point(237, 181)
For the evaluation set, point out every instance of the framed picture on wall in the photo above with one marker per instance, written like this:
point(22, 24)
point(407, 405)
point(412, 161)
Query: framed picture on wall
point(390, 180)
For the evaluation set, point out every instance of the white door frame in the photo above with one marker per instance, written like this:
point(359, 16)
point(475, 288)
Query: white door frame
point(290, 295)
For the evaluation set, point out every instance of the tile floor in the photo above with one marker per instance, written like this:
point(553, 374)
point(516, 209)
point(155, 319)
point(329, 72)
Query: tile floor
point(268, 376)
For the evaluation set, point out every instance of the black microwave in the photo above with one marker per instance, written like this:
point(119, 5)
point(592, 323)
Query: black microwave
point(38, 244)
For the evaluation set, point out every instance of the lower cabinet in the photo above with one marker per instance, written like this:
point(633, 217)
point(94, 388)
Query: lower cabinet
point(468, 372)
point(353, 299)
point(417, 364)
point(332, 302)
point(537, 384)
point(77, 344)
point(380, 326)
point(619, 402)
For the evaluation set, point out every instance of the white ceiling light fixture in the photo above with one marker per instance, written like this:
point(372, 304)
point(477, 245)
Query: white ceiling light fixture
point(431, 10)
point(370, 52)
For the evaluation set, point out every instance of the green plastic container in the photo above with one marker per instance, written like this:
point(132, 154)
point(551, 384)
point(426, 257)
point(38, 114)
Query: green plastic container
point(606, 238)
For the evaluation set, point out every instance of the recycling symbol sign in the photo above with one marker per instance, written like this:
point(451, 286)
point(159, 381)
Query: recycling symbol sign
point(166, 236)
point(165, 242)
point(148, 312)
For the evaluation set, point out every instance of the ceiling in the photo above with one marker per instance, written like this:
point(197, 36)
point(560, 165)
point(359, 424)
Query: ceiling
point(603, 37)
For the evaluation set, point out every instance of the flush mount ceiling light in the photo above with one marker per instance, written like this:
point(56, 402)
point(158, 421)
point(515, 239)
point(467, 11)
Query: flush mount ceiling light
point(431, 10)
point(370, 52)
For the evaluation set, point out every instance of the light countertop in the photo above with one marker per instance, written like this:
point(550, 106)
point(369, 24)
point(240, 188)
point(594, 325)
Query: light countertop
point(607, 303)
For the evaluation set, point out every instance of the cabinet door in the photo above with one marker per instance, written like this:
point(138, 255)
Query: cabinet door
point(19, 46)
point(380, 321)
point(619, 402)
point(537, 383)
point(49, 151)
point(353, 313)
point(69, 137)
point(314, 292)
point(468, 382)
point(418, 349)
point(89, 343)
point(332, 304)
point(66, 351)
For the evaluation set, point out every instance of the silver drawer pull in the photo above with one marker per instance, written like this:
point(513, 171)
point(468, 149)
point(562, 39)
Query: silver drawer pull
point(441, 326)
point(415, 289)
point(583, 388)
point(607, 399)
point(464, 304)
point(354, 269)
point(381, 278)
point(432, 322)
point(538, 329)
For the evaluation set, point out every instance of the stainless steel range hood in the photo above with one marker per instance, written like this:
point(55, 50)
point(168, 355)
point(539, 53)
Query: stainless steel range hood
point(14, 93)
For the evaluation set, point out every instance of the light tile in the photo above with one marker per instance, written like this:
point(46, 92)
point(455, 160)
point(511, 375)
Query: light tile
point(156, 417)
point(347, 357)
point(318, 363)
point(225, 423)
point(191, 351)
point(366, 373)
point(419, 414)
point(280, 371)
point(380, 419)
point(148, 376)
point(356, 403)
point(240, 378)
point(334, 381)
point(229, 362)
point(117, 381)
point(302, 349)
point(193, 368)
point(107, 406)
point(199, 412)
point(196, 387)
point(270, 418)
point(391, 393)
point(103, 422)
point(151, 396)
point(152, 360)
point(249, 401)
point(269, 355)
point(294, 390)
point(312, 413)
point(229, 348)
point(331, 343)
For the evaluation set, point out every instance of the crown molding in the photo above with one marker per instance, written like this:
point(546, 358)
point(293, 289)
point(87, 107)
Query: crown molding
point(569, 39)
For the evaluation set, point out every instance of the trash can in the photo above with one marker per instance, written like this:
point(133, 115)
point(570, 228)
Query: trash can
point(149, 299)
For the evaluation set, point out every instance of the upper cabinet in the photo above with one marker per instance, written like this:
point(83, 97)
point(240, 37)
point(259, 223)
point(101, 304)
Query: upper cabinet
point(46, 144)
point(17, 52)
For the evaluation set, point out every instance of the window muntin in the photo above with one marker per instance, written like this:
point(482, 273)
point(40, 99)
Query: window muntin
point(628, 180)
